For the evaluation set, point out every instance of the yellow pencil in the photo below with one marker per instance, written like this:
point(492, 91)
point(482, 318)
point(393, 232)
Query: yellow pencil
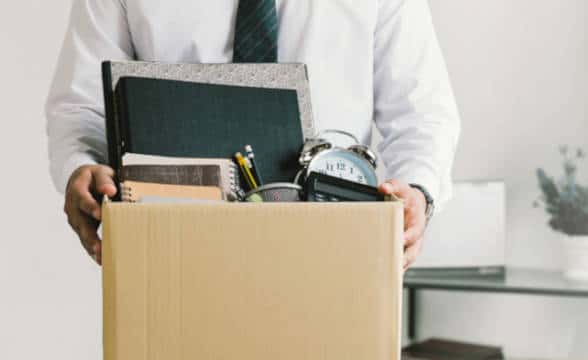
point(246, 172)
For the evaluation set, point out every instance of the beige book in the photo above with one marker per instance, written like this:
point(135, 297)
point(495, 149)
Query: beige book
point(135, 191)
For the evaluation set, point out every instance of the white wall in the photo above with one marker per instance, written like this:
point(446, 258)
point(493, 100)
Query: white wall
point(50, 299)
point(520, 74)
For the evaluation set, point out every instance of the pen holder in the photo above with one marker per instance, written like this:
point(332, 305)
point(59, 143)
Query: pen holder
point(277, 192)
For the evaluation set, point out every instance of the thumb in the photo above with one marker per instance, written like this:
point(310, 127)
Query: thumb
point(386, 188)
point(397, 188)
point(103, 182)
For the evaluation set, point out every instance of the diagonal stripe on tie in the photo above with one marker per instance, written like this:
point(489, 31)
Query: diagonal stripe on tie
point(256, 34)
point(265, 46)
point(269, 55)
point(258, 25)
point(251, 35)
point(252, 11)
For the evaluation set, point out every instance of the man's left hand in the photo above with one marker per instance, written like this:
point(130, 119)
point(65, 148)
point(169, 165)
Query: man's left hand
point(415, 221)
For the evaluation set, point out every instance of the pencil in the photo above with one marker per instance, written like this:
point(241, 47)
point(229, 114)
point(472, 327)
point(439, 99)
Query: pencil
point(246, 172)
point(254, 168)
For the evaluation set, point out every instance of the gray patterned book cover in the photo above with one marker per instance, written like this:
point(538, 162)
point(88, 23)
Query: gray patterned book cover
point(270, 76)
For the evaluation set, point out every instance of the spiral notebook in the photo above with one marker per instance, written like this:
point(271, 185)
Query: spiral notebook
point(181, 173)
point(135, 191)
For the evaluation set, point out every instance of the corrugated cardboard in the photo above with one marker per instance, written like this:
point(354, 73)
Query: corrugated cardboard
point(252, 281)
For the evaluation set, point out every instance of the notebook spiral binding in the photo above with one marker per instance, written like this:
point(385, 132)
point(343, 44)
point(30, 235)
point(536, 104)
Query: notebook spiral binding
point(126, 193)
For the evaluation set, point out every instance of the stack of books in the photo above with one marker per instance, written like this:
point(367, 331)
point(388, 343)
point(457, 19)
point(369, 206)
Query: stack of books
point(146, 178)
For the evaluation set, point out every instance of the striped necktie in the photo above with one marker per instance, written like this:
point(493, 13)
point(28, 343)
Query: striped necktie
point(256, 32)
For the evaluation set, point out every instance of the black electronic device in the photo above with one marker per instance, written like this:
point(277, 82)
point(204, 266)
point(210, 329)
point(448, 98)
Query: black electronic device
point(324, 188)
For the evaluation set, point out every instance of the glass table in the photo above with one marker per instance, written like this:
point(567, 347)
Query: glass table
point(516, 281)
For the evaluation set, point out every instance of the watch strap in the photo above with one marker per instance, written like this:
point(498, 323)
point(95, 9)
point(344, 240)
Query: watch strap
point(428, 198)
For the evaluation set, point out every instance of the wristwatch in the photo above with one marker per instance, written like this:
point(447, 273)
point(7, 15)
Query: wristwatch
point(428, 198)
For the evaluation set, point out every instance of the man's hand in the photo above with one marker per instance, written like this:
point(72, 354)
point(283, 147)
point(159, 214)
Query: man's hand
point(415, 221)
point(86, 184)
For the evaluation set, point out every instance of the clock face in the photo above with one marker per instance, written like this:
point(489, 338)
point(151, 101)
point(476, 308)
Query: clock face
point(345, 165)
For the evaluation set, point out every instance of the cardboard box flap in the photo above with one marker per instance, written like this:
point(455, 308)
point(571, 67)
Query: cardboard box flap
point(252, 281)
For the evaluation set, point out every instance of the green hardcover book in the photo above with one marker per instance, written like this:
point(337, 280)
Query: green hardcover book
point(186, 119)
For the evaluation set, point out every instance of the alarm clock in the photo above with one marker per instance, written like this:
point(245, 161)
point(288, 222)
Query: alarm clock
point(356, 163)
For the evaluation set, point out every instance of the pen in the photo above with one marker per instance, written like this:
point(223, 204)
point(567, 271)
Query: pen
point(246, 172)
point(254, 168)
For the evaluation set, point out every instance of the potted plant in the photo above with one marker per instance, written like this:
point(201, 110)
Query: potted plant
point(566, 202)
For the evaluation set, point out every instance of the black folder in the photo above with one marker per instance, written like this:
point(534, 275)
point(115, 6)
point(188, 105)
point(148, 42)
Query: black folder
point(186, 119)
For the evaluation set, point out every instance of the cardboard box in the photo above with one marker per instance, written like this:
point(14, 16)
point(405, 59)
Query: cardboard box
point(252, 281)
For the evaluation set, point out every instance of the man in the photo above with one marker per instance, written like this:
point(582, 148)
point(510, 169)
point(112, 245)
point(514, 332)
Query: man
point(368, 60)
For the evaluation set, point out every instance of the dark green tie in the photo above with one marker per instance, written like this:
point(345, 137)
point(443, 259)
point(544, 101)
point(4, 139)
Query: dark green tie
point(256, 32)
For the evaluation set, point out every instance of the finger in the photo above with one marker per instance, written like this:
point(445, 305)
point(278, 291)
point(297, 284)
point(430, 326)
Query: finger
point(410, 214)
point(78, 184)
point(396, 187)
point(98, 252)
point(415, 224)
point(89, 205)
point(79, 223)
point(73, 219)
point(410, 255)
point(86, 229)
point(103, 183)
point(78, 196)
point(412, 235)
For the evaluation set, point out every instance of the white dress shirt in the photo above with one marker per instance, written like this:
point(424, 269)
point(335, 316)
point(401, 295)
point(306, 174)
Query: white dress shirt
point(368, 60)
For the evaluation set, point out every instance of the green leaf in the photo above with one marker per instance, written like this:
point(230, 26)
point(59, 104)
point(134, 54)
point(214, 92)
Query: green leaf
point(548, 187)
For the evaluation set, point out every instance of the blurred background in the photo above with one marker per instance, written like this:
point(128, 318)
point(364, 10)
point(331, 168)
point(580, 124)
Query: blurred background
point(520, 74)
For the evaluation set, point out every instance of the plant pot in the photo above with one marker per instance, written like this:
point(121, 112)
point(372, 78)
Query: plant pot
point(576, 257)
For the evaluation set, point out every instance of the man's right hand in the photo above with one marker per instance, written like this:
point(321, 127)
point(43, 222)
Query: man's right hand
point(86, 184)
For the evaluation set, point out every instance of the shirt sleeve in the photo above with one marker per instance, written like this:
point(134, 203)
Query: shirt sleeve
point(414, 106)
point(98, 31)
